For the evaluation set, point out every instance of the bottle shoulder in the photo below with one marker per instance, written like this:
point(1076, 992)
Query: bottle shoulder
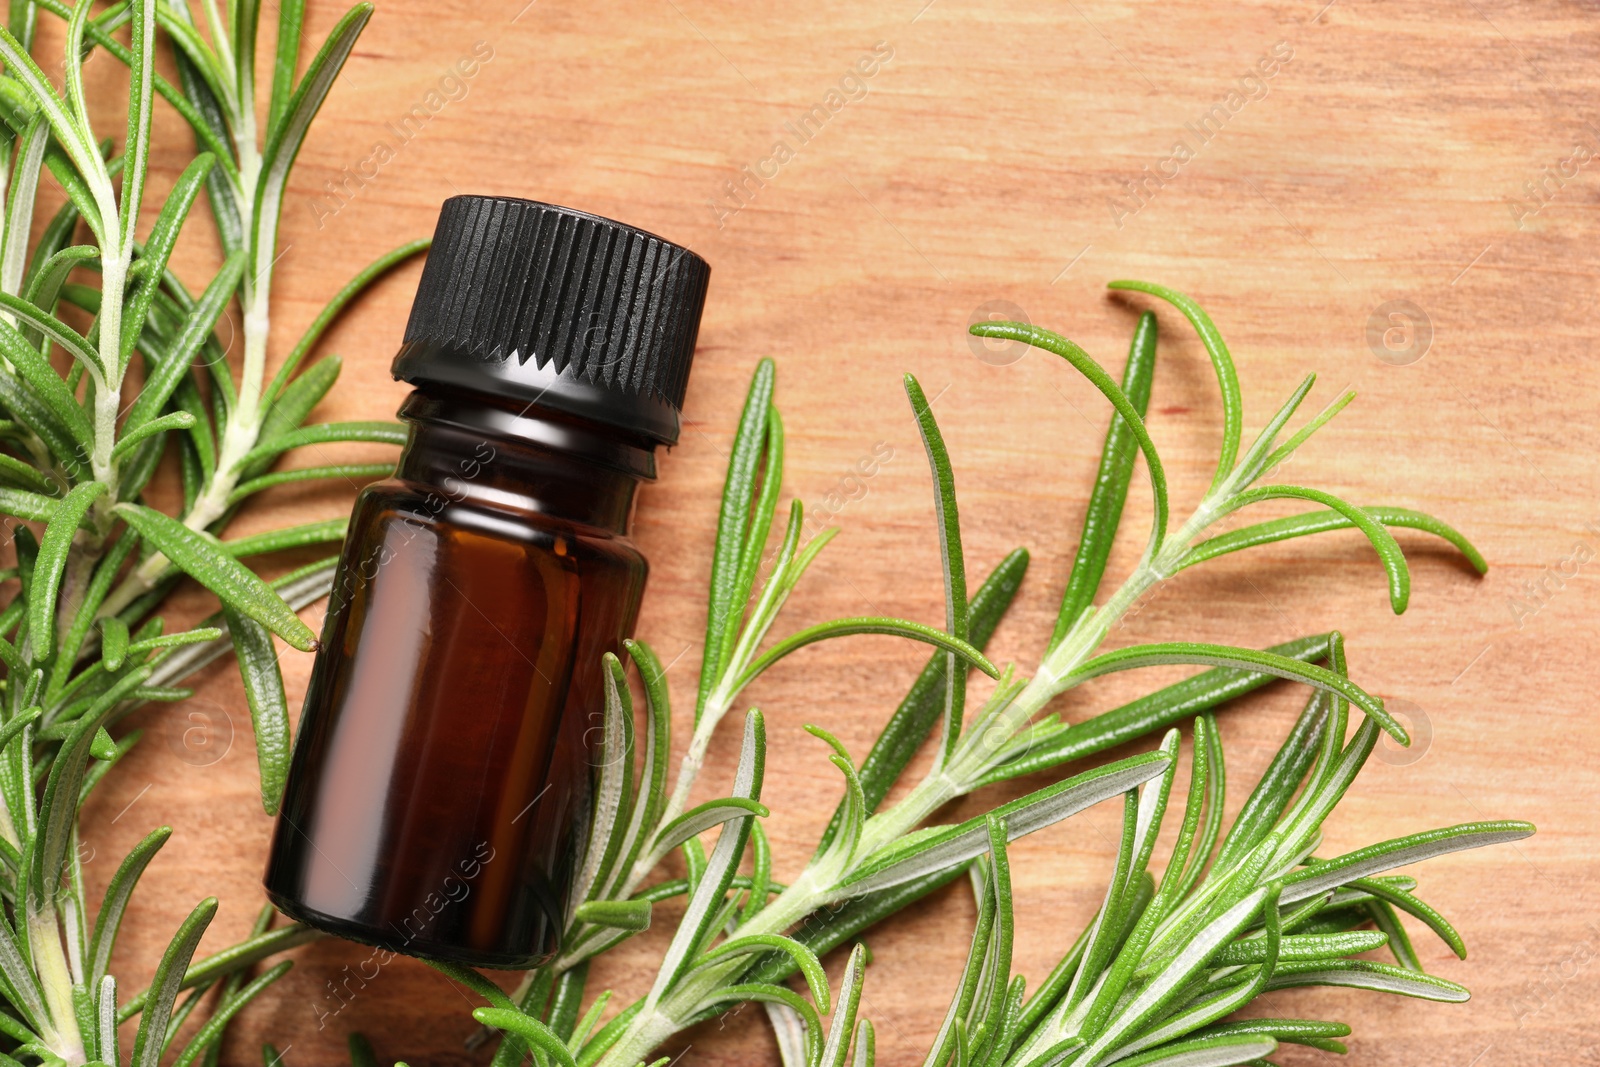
point(399, 500)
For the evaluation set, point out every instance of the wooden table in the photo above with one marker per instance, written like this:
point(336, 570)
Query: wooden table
point(1019, 155)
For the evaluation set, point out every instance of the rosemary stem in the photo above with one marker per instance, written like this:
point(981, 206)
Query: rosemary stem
point(719, 701)
point(108, 385)
point(239, 436)
point(688, 770)
point(44, 937)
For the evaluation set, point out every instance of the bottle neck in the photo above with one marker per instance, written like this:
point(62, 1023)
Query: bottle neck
point(514, 457)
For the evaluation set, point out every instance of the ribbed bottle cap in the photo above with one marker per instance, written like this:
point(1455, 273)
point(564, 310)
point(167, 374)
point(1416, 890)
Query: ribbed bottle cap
point(558, 308)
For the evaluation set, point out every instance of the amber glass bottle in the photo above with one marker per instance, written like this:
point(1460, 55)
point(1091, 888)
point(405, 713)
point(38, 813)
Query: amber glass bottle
point(445, 753)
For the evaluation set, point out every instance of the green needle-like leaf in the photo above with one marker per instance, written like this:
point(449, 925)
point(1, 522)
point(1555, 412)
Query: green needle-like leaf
point(954, 568)
point(1387, 920)
point(291, 14)
point(54, 548)
point(725, 604)
point(649, 798)
point(21, 201)
point(1297, 1031)
point(231, 960)
point(1240, 659)
point(613, 798)
point(204, 560)
point(356, 474)
point(115, 904)
point(924, 852)
point(388, 433)
point(474, 981)
point(831, 927)
point(1407, 902)
point(1394, 561)
point(85, 155)
point(295, 403)
point(269, 708)
point(842, 1028)
point(24, 406)
point(1156, 711)
point(698, 820)
point(209, 137)
point(1207, 1052)
point(141, 90)
point(567, 1000)
point(759, 944)
point(1104, 513)
point(748, 992)
point(159, 244)
point(1302, 947)
point(632, 915)
point(1300, 436)
point(712, 885)
point(1313, 522)
point(1374, 859)
point(150, 1040)
point(37, 372)
point(26, 505)
point(47, 277)
point(24, 476)
point(1368, 974)
point(1221, 362)
point(284, 139)
point(1278, 782)
point(531, 1030)
point(173, 364)
point(916, 631)
point(760, 528)
point(177, 420)
point(311, 533)
point(1085, 365)
point(1254, 462)
point(113, 642)
point(79, 194)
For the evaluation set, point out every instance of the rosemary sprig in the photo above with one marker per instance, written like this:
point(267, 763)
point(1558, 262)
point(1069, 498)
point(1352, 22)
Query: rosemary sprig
point(740, 937)
point(81, 639)
point(225, 444)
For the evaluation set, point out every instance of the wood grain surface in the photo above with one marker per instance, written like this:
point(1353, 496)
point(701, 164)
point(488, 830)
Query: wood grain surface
point(1298, 167)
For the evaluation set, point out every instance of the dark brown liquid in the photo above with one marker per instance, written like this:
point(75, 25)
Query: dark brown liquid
point(443, 767)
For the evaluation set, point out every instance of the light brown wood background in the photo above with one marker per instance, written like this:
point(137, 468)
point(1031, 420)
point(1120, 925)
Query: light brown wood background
point(988, 160)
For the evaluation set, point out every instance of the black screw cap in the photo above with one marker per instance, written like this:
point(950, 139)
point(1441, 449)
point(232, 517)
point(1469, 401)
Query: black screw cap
point(559, 308)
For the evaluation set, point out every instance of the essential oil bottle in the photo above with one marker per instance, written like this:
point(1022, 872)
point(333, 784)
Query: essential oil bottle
point(443, 768)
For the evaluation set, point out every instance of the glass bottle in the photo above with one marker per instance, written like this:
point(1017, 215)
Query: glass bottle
point(443, 767)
